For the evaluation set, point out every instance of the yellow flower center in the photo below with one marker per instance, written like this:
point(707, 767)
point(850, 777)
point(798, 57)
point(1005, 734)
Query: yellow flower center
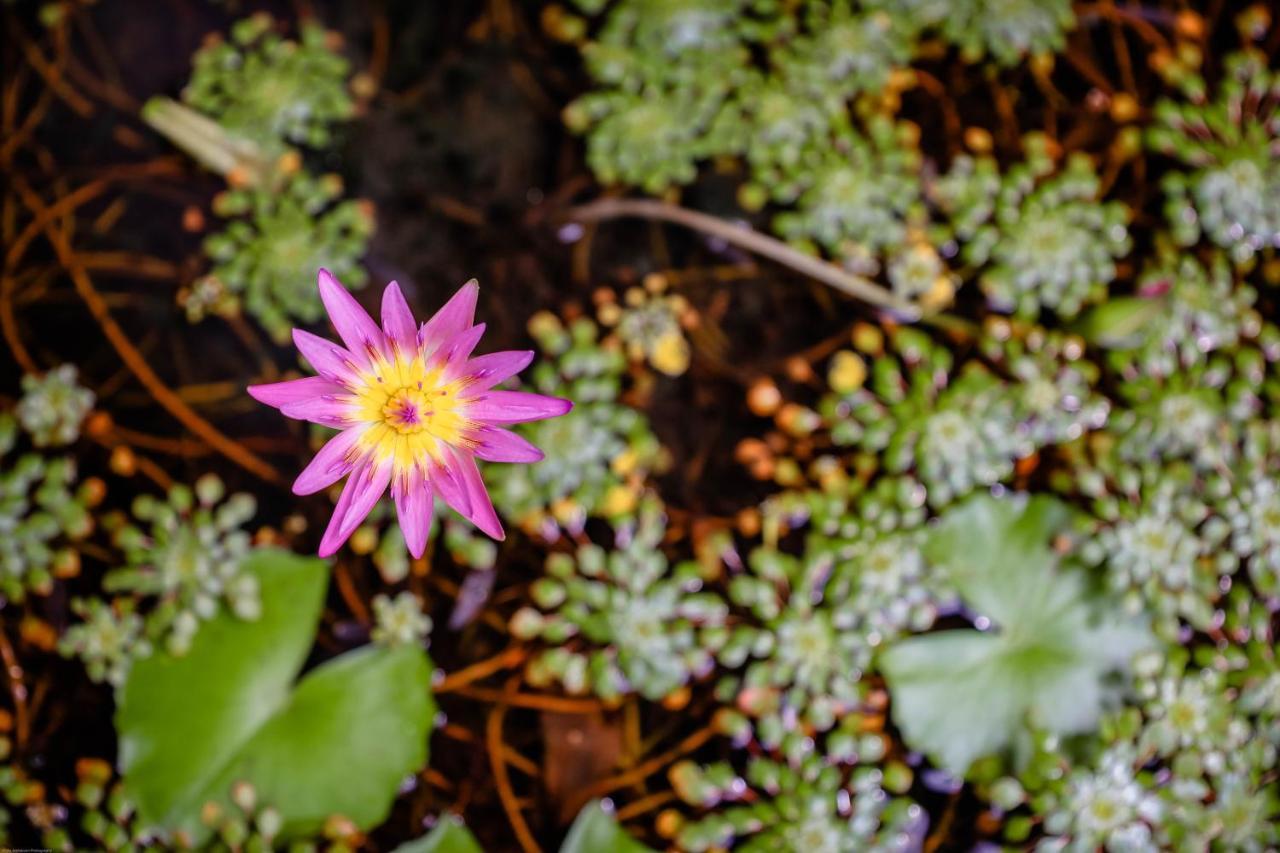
point(407, 411)
point(411, 410)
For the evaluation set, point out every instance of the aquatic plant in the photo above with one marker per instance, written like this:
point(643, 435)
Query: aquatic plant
point(399, 621)
point(801, 797)
point(875, 541)
point(1042, 237)
point(42, 514)
point(597, 457)
point(182, 560)
point(649, 322)
point(272, 90)
point(274, 241)
point(414, 411)
point(53, 406)
point(1183, 312)
point(622, 620)
point(1044, 645)
point(1163, 545)
point(955, 430)
point(1231, 143)
point(801, 650)
point(108, 638)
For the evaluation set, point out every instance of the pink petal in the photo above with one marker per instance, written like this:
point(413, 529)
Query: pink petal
point(413, 506)
point(450, 321)
point(454, 354)
point(334, 461)
point(330, 360)
point(488, 370)
point(513, 407)
point(354, 325)
point(397, 319)
point(444, 480)
point(503, 445)
point(280, 394)
point(366, 484)
point(326, 410)
point(482, 514)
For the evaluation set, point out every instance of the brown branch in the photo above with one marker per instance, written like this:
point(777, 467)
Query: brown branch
point(506, 659)
point(130, 355)
point(502, 781)
point(752, 241)
point(17, 689)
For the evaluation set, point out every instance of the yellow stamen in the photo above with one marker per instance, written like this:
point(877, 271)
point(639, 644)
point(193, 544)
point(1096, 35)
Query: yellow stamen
point(412, 411)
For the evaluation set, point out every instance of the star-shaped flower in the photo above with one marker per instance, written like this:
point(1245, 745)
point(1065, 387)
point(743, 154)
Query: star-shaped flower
point(415, 411)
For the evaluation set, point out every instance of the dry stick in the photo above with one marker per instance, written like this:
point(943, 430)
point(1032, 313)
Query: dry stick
point(132, 358)
point(52, 74)
point(535, 701)
point(644, 805)
point(9, 325)
point(17, 689)
point(18, 247)
point(506, 659)
point(493, 739)
point(752, 241)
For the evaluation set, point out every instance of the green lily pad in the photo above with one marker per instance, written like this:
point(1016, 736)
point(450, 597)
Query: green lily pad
point(339, 742)
point(1051, 648)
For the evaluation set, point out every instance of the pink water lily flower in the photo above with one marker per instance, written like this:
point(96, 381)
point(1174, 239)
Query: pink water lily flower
point(415, 410)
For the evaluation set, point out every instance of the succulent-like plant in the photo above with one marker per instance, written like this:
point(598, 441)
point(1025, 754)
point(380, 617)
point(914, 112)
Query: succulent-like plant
point(1184, 311)
point(597, 456)
point(1042, 238)
point(622, 620)
point(956, 431)
point(109, 637)
point(856, 194)
point(1053, 384)
point(874, 540)
point(1163, 545)
point(42, 514)
point(801, 798)
point(1232, 144)
point(801, 649)
point(265, 258)
point(53, 406)
point(269, 89)
point(183, 560)
point(649, 322)
point(400, 621)
point(1006, 30)
point(1109, 807)
point(1196, 414)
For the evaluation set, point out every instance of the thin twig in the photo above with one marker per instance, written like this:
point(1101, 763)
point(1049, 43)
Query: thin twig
point(503, 660)
point(17, 689)
point(750, 240)
point(130, 355)
point(493, 739)
point(536, 701)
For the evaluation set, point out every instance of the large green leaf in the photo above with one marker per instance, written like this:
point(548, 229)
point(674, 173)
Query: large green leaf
point(594, 830)
point(959, 695)
point(340, 743)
